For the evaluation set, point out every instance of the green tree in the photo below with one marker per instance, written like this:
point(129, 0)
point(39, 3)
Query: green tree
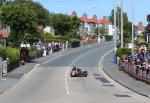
point(61, 23)
point(74, 27)
point(2, 2)
point(20, 18)
point(23, 17)
point(42, 14)
point(141, 39)
point(127, 26)
point(103, 29)
point(64, 25)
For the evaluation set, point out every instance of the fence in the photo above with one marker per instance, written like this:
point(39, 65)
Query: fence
point(136, 71)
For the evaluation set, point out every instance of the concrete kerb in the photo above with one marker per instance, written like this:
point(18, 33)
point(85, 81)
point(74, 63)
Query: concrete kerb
point(101, 68)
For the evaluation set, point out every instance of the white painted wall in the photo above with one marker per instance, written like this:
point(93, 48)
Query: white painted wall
point(49, 29)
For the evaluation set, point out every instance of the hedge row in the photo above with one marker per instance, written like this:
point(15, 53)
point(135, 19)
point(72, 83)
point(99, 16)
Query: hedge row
point(74, 42)
point(12, 53)
point(50, 38)
point(122, 51)
point(108, 37)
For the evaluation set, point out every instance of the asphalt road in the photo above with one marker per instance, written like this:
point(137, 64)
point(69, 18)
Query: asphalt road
point(51, 83)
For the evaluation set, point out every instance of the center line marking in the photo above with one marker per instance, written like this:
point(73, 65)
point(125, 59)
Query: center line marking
point(66, 81)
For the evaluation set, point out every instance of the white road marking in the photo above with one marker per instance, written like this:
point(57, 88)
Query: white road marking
point(66, 75)
point(29, 73)
point(66, 81)
point(70, 65)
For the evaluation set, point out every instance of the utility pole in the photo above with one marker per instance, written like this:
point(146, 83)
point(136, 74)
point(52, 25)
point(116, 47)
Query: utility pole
point(132, 8)
point(115, 56)
point(122, 43)
point(98, 27)
point(118, 23)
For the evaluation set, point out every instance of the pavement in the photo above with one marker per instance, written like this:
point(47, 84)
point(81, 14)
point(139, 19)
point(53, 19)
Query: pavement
point(124, 79)
point(109, 68)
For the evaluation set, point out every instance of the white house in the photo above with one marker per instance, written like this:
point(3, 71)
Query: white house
point(49, 29)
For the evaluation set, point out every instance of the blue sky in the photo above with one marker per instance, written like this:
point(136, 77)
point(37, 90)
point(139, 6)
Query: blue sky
point(99, 7)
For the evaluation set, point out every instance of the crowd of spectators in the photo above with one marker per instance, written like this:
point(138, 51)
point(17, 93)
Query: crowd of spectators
point(42, 49)
point(138, 64)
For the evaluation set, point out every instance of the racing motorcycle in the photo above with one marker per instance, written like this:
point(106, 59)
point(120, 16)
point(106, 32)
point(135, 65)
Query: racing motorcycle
point(77, 72)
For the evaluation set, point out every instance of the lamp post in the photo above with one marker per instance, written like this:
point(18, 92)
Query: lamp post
point(122, 24)
point(115, 56)
point(132, 7)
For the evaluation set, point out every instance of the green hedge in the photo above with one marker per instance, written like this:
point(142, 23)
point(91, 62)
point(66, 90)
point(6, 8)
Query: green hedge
point(57, 39)
point(12, 53)
point(108, 37)
point(74, 42)
point(121, 51)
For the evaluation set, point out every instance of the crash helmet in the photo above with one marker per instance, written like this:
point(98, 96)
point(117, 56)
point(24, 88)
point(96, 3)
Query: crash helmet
point(74, 68)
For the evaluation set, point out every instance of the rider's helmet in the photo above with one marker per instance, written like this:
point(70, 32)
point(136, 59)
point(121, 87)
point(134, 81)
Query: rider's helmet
point(74, 68)
point(78, 69)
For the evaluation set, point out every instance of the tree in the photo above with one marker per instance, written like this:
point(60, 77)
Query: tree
point(42, 14)
point(65, 25)
point(2, 2)
point(61, 23)
point(75, 23)
point(21, 19)
point(103, 29)
point(127, 26)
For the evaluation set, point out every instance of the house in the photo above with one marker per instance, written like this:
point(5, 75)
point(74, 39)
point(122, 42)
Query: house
point(49, 29)
point(107, 24)
point(140, 28)
point(89, 25)
point(4, 33)
point(73, 14)
point(147, 29)
point(85, 27)
point(93, 23)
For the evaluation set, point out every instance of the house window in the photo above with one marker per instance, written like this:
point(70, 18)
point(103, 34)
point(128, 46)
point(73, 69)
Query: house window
point(148, 38)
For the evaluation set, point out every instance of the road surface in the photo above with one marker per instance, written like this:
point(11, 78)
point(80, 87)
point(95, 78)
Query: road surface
point(50, 82)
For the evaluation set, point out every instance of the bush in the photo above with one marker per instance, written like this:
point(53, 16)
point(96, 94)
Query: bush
point(50, 38)
point(74, 42)
point(3, 52)
point(12, 53)
point(32, 52)
point(141, 39)
point(122, 51)
point(108, 37)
